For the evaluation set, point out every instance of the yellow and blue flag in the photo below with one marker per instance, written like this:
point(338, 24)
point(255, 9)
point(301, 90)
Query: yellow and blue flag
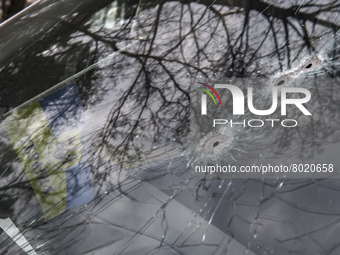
point(49, 140)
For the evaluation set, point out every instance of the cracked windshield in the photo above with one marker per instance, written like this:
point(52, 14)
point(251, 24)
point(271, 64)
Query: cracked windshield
point(170, 127)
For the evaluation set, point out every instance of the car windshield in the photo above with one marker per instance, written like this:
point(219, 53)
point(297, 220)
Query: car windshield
point(170, 127)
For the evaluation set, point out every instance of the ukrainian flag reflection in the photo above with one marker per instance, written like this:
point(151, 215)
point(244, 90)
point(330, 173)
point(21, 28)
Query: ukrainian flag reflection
point(48, 137)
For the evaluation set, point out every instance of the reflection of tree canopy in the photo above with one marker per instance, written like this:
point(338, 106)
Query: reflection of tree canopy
point(227, 39)
point(183, 42)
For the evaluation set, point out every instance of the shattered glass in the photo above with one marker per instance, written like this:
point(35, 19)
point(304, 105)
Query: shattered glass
point(98, 92)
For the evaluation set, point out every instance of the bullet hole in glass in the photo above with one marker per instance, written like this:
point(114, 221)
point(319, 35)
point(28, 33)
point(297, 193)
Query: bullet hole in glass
point(280, 82)
point(216, 143)
point(309, 65)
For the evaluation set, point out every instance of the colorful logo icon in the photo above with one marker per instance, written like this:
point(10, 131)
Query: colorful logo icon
point(204, 97)
point(213, 90)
